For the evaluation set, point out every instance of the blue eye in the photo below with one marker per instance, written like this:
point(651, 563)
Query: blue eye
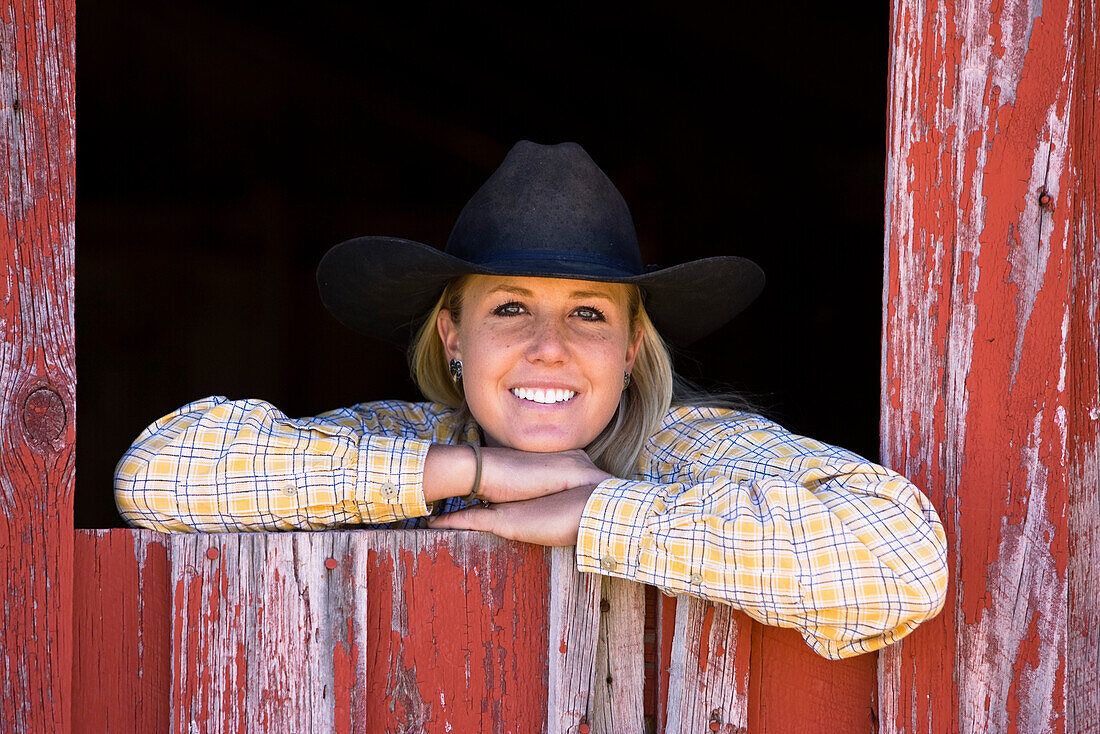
point(590, 313)
point(512, 308)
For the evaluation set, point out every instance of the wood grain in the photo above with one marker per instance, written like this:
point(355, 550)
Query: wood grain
point(709, 668)
point(37, 363)
point(417, 631)
point(122, 666)
point(792, 688)
point(574, 636)
point(619, 680)
point(1083, 382)
point(986, 313)
point(358, 631)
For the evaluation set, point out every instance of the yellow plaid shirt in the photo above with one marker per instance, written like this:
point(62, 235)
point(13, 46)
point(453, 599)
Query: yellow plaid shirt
point(726, 506)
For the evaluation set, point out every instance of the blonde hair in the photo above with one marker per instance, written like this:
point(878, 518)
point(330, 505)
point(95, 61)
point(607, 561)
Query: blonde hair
point(642, 406)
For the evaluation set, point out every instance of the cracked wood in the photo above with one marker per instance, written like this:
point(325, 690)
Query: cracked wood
point(989, 355)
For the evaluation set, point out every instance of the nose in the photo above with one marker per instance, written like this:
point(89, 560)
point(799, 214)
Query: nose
point(549, 342)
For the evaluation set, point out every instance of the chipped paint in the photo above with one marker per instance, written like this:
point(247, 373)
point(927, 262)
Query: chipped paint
point(37, 181)
point(984, 325)
point(269, 639)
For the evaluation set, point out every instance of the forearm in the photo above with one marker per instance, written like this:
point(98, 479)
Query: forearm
point(853, 574)
point(449, 471)
point(218, 465)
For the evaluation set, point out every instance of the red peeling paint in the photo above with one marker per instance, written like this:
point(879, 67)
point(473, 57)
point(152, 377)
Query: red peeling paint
point(665, 635)
point(37, 364)
point(704, 639)
point(979, 350)
point(792, 689)
point(344, 658)
point(122, 665)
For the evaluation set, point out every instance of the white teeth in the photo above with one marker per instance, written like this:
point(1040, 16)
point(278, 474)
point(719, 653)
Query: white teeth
point(539, 395)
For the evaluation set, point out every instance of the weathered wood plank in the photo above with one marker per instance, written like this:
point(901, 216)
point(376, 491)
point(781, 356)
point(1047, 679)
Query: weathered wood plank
point(619, 680)
point(37, 362)
point(122, 660)
point(364, 631)
point(666, 635)
point(708, 677)
point(792, 688)
point(1083, 376)
point(983, 319)
point(574, 636)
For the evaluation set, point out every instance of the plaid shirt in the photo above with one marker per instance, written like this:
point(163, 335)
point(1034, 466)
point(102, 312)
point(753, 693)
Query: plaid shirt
point(726, 505)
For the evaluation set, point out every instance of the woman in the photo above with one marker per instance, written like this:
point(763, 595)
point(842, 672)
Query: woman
point(552, 402)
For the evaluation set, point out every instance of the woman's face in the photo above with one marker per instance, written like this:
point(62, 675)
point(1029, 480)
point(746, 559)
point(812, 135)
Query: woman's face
point(542, 358)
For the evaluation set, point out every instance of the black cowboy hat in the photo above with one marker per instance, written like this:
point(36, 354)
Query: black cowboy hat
point(548, 211)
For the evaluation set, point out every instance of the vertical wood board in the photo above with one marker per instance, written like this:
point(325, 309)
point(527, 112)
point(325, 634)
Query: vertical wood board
point(417, 631)
point(122, 660)
point(619, 680)
point(1083, 375)
point(980, 288)
point(37, 364)
point(574, 636)
point(793, 689)
point(344, 631)
point(708, 679)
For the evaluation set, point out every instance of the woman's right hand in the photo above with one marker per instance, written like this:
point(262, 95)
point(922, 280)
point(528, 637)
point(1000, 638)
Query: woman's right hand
point(507, 475)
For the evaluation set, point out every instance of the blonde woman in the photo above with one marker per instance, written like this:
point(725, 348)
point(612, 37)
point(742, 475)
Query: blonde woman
point(553, 417)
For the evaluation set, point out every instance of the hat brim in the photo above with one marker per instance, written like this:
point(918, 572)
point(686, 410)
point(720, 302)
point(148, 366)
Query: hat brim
point(384, 286)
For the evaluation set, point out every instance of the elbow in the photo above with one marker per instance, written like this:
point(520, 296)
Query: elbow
point(142, 502)
point(130, 480)
point(933, 593)
point(924, 591)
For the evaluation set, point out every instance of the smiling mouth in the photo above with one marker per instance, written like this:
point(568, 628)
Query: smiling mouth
point(546, 397)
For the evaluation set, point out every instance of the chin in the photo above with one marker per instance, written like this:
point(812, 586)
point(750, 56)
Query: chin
point(543, 442)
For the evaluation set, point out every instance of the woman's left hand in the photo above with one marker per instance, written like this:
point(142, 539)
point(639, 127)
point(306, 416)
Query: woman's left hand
point(553, 519)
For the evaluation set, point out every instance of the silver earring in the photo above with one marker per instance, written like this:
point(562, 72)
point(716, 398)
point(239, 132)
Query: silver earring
point(455, 367)
point(626, 380)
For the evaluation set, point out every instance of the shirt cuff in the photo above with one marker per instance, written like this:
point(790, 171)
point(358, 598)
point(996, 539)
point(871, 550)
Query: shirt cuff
point(391, 478)
point(613, 533)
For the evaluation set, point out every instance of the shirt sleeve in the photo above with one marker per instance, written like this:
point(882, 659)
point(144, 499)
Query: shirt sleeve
point(793, 532)
point(220, 465)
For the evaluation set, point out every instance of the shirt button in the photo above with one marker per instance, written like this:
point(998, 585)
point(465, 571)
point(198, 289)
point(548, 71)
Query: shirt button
point(389, 490)
point(696, 578)
point(288, 488)
point(608, 563)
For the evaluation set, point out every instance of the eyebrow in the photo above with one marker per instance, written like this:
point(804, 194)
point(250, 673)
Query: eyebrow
point(516, 290)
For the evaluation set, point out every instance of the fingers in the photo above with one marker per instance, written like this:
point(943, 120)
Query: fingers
point(474, 518)
point(550, 520)
point(511, 476)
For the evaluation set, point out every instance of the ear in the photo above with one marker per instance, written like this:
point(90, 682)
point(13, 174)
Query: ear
point(632, 349)
point(448, 334)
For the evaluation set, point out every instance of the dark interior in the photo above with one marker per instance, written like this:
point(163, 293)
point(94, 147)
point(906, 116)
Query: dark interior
point(224, 146)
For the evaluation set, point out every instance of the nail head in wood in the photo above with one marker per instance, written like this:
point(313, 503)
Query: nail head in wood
point(212, 554)
point(331, 564)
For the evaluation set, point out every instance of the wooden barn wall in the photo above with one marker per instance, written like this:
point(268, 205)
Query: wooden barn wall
point(990, 396)
point(991, 400)
point(37, 362)
point(370, 631)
